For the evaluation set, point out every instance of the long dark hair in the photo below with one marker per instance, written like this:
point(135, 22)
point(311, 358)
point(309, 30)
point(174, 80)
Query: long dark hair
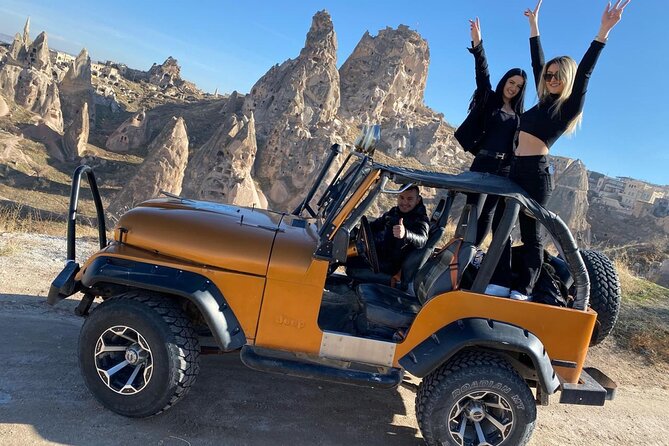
point(518, 101)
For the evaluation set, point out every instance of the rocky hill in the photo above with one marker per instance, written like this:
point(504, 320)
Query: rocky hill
point(261, 148)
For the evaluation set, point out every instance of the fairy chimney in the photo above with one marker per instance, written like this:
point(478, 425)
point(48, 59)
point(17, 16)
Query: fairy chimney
point(163, 169)
point(76, 135)
point(305, 88)
point(130, 135)
point(295, 106)
point(76, 89)
point(221, 169)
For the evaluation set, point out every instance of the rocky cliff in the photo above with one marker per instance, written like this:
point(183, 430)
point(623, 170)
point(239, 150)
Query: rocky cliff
point(570, 197)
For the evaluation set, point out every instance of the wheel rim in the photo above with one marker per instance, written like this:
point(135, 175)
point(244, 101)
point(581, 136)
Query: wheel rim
point(123, 360)
point(481, 418)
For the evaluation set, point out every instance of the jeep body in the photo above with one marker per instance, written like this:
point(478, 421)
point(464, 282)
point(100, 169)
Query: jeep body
point(253, 279)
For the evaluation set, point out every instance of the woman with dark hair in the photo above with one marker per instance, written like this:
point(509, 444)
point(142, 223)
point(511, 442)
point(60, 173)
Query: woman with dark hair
point(489, 132)
point(561, 87)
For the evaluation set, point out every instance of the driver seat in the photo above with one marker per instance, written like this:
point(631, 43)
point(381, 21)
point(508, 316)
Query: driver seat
point(386, 310)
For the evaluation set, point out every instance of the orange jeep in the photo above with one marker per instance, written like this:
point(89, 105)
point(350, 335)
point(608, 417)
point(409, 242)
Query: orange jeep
point(183, 277)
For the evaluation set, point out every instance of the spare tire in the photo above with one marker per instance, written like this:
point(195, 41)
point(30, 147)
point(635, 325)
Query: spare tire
point(605, 292)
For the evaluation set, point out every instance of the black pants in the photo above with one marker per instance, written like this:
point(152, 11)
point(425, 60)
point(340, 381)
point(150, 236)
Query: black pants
point(532, 174)
point(488, 216)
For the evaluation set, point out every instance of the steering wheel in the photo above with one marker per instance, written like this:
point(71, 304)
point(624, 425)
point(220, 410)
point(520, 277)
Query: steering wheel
point(365, 244)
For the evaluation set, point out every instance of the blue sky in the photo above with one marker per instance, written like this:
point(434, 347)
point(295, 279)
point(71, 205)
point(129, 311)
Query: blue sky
point(229, 45)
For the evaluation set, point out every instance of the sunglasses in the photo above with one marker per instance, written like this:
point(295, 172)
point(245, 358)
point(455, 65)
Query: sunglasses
point(549, 76)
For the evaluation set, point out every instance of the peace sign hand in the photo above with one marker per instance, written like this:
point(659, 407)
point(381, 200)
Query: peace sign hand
point(475, 28)
point(533, 16)
point(612, 15)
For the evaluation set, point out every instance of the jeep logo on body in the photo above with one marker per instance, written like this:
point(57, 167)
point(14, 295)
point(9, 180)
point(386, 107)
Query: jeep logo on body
point(289, 322)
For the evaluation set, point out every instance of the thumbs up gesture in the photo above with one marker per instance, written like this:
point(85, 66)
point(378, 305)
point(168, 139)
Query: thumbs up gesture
point(398, 230)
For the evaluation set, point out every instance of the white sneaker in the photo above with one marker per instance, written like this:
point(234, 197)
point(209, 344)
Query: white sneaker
point(517, 295)
point(497, 290)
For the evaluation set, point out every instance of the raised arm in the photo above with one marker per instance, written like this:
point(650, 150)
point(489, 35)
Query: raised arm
point(536, 51)
point(611, 16)
point(480, 61)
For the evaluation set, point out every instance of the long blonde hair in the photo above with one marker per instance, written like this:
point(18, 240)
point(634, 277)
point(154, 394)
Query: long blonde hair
point(567, 72)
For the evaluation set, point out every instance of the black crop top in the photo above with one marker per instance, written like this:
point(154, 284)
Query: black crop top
point(500, 133)
point(538, 121)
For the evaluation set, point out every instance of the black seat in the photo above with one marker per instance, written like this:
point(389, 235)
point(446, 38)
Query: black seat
point(385, 310)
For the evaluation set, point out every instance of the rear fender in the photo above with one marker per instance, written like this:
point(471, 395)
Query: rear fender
point(192, 286)
point(475, 332)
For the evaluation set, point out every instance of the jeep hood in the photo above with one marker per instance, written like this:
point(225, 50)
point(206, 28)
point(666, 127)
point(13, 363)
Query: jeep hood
point(218, 235)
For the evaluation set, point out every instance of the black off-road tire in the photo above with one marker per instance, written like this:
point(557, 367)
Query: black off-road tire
point(473, 373)
point(173, 345)
point(605, 293)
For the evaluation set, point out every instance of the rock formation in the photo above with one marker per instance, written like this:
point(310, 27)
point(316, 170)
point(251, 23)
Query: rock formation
point(37, 56)
point(221, 169)
point(130, 135)
point(76, 89)
point(383, 82)
point(166, 74)
point(385, 75)
point(163, 169)
point(75, 138)
point(295, 106)
point(305, 89)
point(26, 79)
point(570, 198)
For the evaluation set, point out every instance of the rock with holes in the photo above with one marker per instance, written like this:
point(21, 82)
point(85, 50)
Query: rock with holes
point(385, 75)
point(163, 169)
point(132, 134)
point(295, 106)
point(221, 169)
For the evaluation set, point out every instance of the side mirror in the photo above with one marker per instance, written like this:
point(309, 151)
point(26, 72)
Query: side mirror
point(368, 139)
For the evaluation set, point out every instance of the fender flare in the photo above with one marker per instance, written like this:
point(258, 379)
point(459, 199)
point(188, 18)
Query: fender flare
point(475, 332)
point(192, 286)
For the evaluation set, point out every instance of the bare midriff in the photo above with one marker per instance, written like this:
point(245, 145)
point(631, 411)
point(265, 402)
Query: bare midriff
point(530, 145)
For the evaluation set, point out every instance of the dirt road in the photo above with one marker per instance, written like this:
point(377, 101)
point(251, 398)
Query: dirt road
point(43, 399)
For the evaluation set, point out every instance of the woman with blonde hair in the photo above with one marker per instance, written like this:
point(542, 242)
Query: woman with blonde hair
point(561, 87)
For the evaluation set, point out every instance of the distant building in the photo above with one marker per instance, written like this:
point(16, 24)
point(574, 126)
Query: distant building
point(635, 190)
point(610, 185)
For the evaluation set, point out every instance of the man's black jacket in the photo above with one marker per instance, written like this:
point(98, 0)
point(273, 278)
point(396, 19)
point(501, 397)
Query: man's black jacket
point(391, 250)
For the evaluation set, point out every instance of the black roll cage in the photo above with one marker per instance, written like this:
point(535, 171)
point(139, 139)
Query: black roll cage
point(341, 187)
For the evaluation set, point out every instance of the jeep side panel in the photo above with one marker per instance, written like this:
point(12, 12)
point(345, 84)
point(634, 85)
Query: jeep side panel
point(564, 332)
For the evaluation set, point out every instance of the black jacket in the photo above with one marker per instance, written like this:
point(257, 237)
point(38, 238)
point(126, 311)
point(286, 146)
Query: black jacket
point(391, 251)
point(484, 102)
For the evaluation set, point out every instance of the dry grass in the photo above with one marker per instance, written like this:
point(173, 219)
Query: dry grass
point(9, 249)
point(643, 324)
point(14, 219)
